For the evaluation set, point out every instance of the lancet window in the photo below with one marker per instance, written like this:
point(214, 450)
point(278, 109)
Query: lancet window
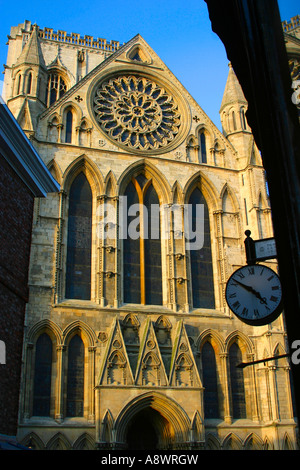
point(200, 256)
point(78, 271)
point(210, 382)
point(42, 376)
point(142, 247)
point(75, 378)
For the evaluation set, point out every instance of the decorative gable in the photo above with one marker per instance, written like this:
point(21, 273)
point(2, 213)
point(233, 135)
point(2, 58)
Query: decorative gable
point(150, 369)
point(184, 371)
point(115, 369)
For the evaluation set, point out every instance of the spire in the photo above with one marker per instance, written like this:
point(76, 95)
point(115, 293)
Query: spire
point(32, 52)
point(233, 91)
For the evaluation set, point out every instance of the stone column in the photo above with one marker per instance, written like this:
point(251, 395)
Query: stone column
point(28, 381)
point(59, 404)
point(58, 282)
point(225, 386)
point(91, 383)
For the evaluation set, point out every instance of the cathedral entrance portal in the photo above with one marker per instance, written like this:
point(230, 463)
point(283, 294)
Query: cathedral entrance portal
point(152, 421)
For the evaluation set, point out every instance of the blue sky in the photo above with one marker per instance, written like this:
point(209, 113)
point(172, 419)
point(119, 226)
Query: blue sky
point(179, 32)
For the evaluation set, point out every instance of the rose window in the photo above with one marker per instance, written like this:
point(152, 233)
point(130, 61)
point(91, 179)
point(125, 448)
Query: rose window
point(136, 112)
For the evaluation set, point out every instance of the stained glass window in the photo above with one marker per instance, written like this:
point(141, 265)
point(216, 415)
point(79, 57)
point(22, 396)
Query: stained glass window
point(75, 378)
point(42, 376)
point(209, 370)
point(201, 259)
point(78, 272)
point(153, 275)
point(56, 88)
point(142, 249)
point(132, 274)
point(237, 383)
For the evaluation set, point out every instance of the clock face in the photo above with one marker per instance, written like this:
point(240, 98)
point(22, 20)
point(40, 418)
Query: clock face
point(254, 294)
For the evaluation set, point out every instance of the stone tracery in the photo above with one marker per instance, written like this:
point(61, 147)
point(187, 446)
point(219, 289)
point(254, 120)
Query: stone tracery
point(136, 112)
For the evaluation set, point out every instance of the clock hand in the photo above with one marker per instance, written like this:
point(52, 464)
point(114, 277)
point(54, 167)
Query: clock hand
point(250, 289)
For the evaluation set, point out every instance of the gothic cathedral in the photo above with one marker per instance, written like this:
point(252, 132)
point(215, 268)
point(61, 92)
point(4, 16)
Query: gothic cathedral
point(129, 342)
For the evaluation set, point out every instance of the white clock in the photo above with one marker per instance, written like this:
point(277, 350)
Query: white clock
point(254, 294)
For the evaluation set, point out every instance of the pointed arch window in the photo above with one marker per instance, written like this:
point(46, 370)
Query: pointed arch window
point(201, 259)
point(142, 247)
point(56, 88)
point(29, 83)
point(75, 378)
point(210, 382)
point(202, 148)
point(243, 119)
point(233, 121)
point(78, 271)
point(69, 126)
point(19, 78)
point(238, 401)
point(42, 376)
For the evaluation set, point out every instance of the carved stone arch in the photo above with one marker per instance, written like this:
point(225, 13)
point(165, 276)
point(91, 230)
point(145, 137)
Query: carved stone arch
point(77, 112)
point(33, 441)
point(57, 67)
point(55, 170)
point(151, 359)
point(116, 358)
point(191, 140)
point(192, 146)
point(177, 195)
point(131, 321)
point(160, 183)
point(27, 72)
point(58, 442)
point(207, 188)
point(232, 442)
point(212, 442)
point(253, 442)
point(197, 428)
point(110, 184)
point(227, 189)
point(214, 338)
point(244, 342)
point(107, 428)
point(87, 335)
point(90, 170)
point(17, 79)
point(184, 360)
point(278, 349)
point(209, 134)
point(163, 322)
point(54, 119)
point(85, 123)
point(287, 443)
point(84, 442)
point(138, 54)
point(219, 145)
point(262, 202)
point(45, 326)
point(268, 444)
point(170, 410)
point(163, 329)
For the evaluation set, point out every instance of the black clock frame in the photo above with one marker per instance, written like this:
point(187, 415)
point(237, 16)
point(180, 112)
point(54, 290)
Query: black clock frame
point(262, 321)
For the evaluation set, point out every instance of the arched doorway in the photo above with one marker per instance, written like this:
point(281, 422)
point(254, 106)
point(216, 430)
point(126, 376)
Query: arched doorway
point(152, 421)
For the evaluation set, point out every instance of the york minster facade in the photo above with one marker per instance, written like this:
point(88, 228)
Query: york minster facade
point(129, 343)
